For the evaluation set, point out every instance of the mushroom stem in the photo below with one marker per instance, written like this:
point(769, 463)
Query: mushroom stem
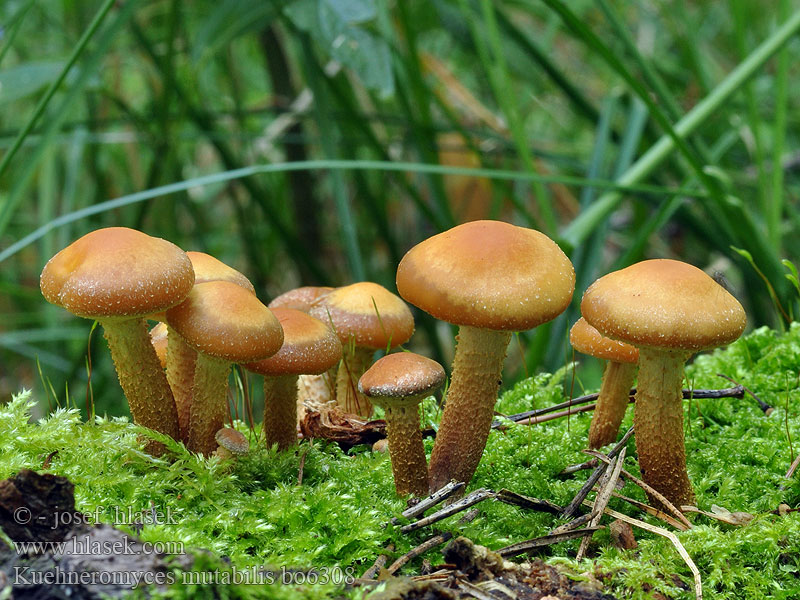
point(406, 450)
point(658, 425)
point(180, 374)
point(209, 402)
point(469, 407)
point(611, 403)
point(348, 398)
point(142, 379)
point(280, 410)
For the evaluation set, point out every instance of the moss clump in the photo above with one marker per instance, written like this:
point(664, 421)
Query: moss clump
point(253, 512)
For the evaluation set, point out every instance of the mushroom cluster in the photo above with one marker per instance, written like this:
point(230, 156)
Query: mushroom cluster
point(318, 344)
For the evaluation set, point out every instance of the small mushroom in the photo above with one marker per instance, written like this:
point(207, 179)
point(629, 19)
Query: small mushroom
point(490, 278)
point(309, 346)
point(231, 443)
point(224, 323)
point(118, 276)
point(669, 310)
point(366, 317)
point(612, 401)
point(398, 383)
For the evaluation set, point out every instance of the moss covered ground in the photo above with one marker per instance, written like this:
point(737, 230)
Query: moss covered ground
point(255, 513)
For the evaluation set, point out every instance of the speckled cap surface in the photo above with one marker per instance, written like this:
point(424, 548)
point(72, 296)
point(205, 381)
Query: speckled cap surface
point(224, 320)
point(232, 440)
point(207, 268)
point(401, 375)
point(488, 274)
point(302, 298)
point(587, 340)
point(117, 272)
point(368, 313)
point(663, 303)
point(309, 346)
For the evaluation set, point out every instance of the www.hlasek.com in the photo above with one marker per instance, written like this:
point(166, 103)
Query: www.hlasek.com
point(233, 576)
point(86, 544)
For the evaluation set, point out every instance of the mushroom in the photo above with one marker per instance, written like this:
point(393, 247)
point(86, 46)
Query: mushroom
point(312, 390)
point(669, 310)
point(117, 276)
point(231, 443)
point(309, 346)
point(490, 278)
point(398, 383)
point(612, 401)
point(180, 356)
point(366, 317)
point(158, 338)
point(224, 323)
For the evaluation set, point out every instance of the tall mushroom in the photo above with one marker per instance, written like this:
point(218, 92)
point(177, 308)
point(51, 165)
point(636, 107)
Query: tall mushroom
point(366, 317)
point(224, 323)
point(490, 278)
point(612, 401)
point(309, 346)
point(669, 310)
point(398, 383)
point(117, 276)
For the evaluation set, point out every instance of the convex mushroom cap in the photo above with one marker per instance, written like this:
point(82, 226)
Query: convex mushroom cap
point(488, 274)
point(401, 375)
point(117, 272)
point(226, 321)
point(587, 340)
point(302, 298)
point(663, 303)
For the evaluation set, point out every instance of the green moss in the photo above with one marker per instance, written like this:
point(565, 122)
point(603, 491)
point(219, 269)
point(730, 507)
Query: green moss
point(254, 513)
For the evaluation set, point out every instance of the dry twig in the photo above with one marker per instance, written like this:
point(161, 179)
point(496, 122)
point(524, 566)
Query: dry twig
point(455, 507)
point(602, 498)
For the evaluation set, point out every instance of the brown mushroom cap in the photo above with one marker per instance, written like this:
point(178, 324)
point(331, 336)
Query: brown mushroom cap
point(208, 268)
point(226, 321)
point(368, 313)
point(302, 298)
point(232, 440)
point(665, 304)
point(401, 375)
point(586, 339)
point(309, 346)
point(488, 274)
point(117, 272)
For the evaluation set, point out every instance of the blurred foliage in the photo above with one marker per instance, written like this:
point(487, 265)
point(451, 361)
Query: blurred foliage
point(576, 110)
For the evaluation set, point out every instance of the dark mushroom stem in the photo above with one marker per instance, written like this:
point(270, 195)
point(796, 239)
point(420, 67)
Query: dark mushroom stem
point(469, 407)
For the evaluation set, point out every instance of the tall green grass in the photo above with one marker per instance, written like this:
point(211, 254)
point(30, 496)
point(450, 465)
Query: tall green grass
point(301, 141)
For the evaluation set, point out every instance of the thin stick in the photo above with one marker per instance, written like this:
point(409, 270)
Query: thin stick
point(435, 498)
point(528, 502)
point(765, 408)
point(698, 586)
point(572, 508)
point(654, 493)
point(653, 511)
point(602, 498)
point(455, 507)
point(545, 540)
point(430, 543)
point(569, 470)
point(379, 563)
point(793, 467)
point(574, 524)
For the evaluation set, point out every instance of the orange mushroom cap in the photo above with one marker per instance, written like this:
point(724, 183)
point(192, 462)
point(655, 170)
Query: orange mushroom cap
point(586, 339)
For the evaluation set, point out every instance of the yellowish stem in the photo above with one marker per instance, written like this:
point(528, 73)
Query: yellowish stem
point(209, 403)
point(280, 411)
point(658, 425)
point(611, 403)
point(406, 451)
point(469, 407)
point(141, 377)
point(180, 373)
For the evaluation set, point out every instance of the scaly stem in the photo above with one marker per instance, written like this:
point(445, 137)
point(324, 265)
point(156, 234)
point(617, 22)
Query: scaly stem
point(406, 450)
point(611, 403)
point(658, 425)
point(141, 377)
point(280, 411)
point(209, 403)
point(180, 374)
point(469, 407)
